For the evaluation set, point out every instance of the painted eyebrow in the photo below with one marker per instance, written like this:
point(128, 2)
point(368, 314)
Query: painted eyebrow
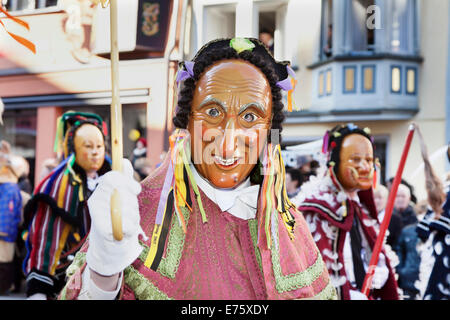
point(252, 104)
point(210, 100)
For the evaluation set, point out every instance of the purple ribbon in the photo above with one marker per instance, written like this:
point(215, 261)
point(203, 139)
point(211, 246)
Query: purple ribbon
point(326, 139)
point(187, 72)
point(286, 84)
point(164, 195)
point(290, 71)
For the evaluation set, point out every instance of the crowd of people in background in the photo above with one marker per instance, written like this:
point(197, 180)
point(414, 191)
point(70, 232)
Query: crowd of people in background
point(402, 236)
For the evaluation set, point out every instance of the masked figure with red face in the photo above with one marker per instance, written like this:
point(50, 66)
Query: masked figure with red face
point(341, 213)
point(213, 221)
point(57, 215)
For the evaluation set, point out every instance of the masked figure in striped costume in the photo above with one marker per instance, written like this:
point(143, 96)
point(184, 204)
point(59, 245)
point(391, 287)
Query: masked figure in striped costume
point(214, 220)
point(340, 211)
point(57, 214)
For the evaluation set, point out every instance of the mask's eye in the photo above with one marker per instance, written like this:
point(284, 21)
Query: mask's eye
point(249, 117)
point(213, 112)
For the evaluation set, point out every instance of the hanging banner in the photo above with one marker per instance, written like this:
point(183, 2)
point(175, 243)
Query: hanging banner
point(153, 24)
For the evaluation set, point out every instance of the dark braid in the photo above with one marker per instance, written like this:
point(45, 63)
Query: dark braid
point(186, 95)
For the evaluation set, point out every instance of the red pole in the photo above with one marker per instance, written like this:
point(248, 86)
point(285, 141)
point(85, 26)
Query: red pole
point(387, 216)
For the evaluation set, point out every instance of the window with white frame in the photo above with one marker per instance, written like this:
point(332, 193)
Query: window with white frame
point(368, 26)
point(266, 28)
point(362, 35)
point(262, 19)
point(219, 21)
point(17, 5)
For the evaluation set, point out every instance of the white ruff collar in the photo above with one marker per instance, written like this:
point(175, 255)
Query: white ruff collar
point(241, 201)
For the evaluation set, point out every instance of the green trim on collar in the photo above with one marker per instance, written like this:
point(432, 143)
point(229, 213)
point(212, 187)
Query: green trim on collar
point(142, 288)
point(253, 228)
point(169, 264)
point(297, 280)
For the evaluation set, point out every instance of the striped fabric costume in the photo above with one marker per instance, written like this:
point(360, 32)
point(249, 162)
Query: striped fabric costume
point(340, 210)
point(329, 214)
point(58, 221)
point(196, 251)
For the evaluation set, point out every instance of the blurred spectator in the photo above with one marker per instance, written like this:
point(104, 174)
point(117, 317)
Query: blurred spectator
point(307, 166)
point(140, 151)
point(434, 230)
point(2, 108)
point(421, 209)
point(24, 182)
point(143, 168)
point(10, 217)
point(304, 164)
point(22, 169)
point(402, 205)
point(381, 194)
point(404, 182)
point(267, 38)
point(47, 167)
point(162, 156)
point(409, 257)
point(328, 49)
point(294, 180)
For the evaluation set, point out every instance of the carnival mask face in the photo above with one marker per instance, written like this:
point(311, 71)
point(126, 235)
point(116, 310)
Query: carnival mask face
point(89, 148)
point(356, 166)
point(229, 123)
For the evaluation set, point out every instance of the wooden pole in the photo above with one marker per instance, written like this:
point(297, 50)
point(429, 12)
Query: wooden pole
point(116, 123)
point(367, 284)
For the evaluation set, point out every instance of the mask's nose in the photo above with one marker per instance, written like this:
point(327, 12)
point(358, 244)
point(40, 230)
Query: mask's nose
point(228, 140)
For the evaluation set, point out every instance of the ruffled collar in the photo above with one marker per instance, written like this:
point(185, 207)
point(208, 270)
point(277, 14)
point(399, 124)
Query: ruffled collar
point(241, 201)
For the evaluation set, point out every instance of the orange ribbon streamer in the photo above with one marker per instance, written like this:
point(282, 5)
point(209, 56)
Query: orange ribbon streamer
point(28, 44)
point(289, 95)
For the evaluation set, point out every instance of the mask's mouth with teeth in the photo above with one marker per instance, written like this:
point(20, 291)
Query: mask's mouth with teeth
point(226, 163)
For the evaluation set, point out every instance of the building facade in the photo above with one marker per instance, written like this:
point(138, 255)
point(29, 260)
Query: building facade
point(71, 71)
point(377, 63)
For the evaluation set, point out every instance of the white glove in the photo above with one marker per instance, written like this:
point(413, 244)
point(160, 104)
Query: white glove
point(381, 273)
point(356, 295)
point(38, 296)
point(106, 255)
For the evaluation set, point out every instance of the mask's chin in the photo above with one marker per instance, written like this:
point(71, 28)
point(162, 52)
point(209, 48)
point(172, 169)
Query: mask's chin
point(223, 179)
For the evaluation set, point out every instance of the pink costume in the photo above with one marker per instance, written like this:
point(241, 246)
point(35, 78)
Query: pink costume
point(218, 259)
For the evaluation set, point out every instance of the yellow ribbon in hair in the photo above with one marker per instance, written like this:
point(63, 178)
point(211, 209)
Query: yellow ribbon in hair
point(269, 194)
point(194, 184)
point(180, 191)
point(155, 239)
